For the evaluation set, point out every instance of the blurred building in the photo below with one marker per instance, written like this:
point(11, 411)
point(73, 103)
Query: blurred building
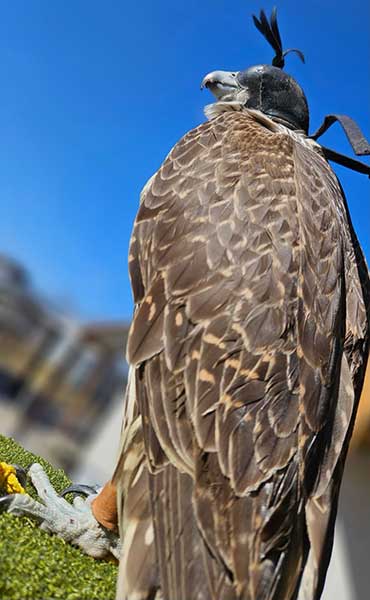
point(58, 377)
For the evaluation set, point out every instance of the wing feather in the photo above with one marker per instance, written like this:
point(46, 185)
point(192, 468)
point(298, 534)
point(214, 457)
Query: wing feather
point(244, 248)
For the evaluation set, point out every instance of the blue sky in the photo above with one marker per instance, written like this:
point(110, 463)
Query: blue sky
point(93, 96)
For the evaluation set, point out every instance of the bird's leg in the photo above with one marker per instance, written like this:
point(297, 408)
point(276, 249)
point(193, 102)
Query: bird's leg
point(75, 522)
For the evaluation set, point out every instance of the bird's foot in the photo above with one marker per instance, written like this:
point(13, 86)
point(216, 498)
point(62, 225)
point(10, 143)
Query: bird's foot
point(75, 523)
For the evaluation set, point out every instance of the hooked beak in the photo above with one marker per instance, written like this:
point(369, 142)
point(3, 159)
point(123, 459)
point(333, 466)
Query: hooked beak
point(221, 83)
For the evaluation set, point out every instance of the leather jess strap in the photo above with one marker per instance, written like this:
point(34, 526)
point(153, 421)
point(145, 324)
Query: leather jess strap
point(359, 143)
point(104, 507)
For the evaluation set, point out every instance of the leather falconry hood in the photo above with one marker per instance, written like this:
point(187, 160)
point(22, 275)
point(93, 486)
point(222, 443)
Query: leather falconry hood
point(278, 95)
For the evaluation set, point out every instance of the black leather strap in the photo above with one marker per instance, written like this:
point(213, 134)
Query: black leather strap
point(346, 161)
point(359, 143)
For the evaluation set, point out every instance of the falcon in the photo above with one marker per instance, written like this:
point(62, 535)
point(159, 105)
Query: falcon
point(248, 348)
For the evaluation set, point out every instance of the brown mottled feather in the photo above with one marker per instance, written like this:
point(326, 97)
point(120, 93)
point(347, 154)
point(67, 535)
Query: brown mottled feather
point(138, 572)
point(249, 343)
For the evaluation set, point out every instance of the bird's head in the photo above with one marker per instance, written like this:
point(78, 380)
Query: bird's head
point(264, 87)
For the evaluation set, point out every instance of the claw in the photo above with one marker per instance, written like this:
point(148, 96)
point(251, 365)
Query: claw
point(85, 490)
point(5, 502)
point(21, 474)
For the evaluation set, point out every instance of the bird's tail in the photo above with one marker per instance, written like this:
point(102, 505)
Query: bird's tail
point(187, 567)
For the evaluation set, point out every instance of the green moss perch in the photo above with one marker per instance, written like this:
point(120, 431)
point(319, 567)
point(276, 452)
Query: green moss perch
point(37, 566)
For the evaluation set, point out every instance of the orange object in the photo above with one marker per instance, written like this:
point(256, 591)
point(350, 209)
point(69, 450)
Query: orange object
point(104, 507)
point(361, 434)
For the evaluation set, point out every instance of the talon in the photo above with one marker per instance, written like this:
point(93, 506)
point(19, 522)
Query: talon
point(85, 490)
point(6, 501)
point(21, 474)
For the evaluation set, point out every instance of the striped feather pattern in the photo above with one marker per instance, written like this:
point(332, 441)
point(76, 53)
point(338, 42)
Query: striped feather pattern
point(248, 346)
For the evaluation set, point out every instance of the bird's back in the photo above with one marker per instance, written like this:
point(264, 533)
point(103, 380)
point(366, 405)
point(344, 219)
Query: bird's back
point(248, 343)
